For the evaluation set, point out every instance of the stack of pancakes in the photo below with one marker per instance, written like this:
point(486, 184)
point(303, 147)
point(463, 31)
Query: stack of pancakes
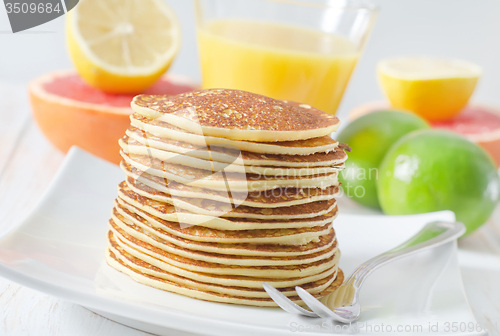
point(225, 190)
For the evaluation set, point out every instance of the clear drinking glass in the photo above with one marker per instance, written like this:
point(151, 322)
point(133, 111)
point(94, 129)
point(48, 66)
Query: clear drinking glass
point(303, 51)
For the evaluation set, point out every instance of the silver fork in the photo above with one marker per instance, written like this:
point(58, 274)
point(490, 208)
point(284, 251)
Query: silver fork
point(343, 305)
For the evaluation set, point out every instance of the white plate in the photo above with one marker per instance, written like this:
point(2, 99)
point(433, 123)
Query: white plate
point(59, 250)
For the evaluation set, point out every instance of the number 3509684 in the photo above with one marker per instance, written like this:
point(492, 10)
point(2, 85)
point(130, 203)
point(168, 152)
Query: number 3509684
point(24, 7)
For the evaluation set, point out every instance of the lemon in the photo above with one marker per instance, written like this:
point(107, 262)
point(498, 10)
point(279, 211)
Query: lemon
point(436, 89)
point(122, 46)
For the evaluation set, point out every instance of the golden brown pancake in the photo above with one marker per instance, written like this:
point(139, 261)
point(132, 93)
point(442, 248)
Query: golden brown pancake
point(222, 180)
point(172, 213)
point(138, 273)
point(225, 190)
point(133, 148)
point(324, 144)
point(228, 154)
point(163, 201)
point(131, 245)
point(279, 242)
point(148, 240)
point(252, 287)
point(238, 115)
point(278, 197)
point(224, 280)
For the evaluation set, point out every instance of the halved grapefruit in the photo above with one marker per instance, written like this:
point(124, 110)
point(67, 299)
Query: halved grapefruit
point(70, 112)
point(478, 123)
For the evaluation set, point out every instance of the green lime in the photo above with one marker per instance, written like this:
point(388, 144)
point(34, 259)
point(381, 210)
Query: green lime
point(370, 137)
point(432, 170)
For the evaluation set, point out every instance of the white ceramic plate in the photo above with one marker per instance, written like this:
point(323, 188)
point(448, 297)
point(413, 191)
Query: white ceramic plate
point(59, 250)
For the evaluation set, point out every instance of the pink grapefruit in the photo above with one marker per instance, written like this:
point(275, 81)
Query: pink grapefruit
point(70, 112)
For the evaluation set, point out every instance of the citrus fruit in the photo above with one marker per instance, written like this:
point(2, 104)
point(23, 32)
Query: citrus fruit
point(432, 170)
point(69, 112)
point(370, 137)
point(368, 107)
point(478, 123)
point(435, 89)
point(122, 46)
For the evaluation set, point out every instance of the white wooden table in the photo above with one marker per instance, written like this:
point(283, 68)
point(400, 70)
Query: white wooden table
point(27, 164)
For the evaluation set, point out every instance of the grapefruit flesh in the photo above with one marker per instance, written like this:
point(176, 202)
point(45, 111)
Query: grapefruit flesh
point(480, 124)
point(71, 113)
point(73, 87)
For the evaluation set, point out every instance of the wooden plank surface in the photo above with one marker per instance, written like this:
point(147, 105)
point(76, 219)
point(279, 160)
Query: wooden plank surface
point(14, 116)
point(28, 163)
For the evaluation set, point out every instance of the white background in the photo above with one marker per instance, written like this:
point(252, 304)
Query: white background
point(467, 29)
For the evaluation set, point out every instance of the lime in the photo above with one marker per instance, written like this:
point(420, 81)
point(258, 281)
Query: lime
point(370, 137)
point(432, 170)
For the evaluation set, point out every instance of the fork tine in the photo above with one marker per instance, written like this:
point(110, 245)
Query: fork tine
point(316, 306)
point(285, 303)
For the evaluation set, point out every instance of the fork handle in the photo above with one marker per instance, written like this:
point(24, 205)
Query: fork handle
point(432, 235)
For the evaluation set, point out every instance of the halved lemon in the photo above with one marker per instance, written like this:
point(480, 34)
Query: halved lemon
point(122, 46)
point(436, 89)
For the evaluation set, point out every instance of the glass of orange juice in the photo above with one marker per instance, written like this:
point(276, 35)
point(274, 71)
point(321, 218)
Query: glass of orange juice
point(303, 51)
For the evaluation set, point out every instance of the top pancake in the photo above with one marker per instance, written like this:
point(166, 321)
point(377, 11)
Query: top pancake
point(237, 115)
point(165, 130)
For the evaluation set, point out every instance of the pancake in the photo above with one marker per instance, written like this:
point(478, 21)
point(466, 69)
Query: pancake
point(163, 201)
point(233, 281)
point(237, 115)
point(147, 240)
point(251, 283)
point(276, 242)
point(272, 198)
point(252, 287)
point(225, 190)
point(164, 130)
point(228, 154)
point(280, 271)
point(185, 218)
point(134, 148)
point(224, 181)
point(196, 292)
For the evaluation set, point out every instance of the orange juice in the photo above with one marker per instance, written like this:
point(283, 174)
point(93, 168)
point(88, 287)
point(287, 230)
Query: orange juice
point(279, 61)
